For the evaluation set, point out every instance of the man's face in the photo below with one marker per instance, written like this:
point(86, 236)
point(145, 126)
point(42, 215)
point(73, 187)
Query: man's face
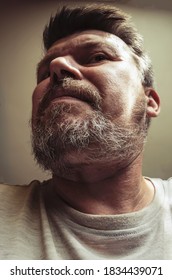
point(89, 103)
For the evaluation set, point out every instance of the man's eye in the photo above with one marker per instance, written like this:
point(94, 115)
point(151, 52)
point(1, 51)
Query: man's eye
point(97, 58)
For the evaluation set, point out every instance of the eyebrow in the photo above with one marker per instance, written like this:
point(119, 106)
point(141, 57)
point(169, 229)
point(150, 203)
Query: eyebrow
point(82, 46)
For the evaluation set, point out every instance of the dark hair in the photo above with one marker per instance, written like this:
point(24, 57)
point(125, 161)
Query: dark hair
point(105, 18)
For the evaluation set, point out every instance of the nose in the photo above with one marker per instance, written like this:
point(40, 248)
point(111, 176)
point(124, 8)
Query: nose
point(62, 67)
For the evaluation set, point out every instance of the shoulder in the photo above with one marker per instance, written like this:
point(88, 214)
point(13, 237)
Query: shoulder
point(166, 188)
point(14, 190)
point(16, 197)
point(167, 184)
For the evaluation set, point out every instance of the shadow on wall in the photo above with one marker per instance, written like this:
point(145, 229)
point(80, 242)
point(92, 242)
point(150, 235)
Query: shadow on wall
point(165, 5)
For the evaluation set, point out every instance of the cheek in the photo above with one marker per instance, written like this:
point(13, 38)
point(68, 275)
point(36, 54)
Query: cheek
point(112, 88)
point(119, 87)
point(113, 104)
point(37, 96)
point(35, 103)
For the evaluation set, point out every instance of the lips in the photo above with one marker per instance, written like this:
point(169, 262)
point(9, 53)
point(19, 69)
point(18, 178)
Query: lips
point(71, 93)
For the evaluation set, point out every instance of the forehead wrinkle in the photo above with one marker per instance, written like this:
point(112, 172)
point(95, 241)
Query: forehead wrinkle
point(59, 48)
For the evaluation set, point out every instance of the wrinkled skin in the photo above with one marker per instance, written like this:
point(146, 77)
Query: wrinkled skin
point(84, 75)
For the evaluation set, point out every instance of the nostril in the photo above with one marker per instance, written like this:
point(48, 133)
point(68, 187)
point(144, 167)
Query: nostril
point(66, 74)
point(63, 74)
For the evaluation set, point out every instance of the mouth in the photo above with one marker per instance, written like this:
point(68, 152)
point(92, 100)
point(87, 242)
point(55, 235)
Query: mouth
point(71, 90)
point(71, 95)
point(61, 94)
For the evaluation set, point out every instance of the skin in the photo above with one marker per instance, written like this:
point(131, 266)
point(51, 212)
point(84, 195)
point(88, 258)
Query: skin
point(106, 63)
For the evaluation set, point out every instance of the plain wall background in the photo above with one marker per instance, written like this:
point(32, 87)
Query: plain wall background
point(21, 48)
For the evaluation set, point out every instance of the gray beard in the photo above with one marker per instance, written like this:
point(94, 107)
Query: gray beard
point(95, 136)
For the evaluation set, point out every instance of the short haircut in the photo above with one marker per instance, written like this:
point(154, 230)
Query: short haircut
point(69, 20)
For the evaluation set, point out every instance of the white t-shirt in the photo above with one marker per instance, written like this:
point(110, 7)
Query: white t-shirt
point(36, 224)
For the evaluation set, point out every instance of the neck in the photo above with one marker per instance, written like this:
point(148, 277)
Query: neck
point(104, 191)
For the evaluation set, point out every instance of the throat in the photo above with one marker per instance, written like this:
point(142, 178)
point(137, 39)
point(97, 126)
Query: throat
point(106, 198)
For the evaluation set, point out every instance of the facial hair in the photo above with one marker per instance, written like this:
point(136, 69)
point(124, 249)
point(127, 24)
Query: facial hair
point(95, 135)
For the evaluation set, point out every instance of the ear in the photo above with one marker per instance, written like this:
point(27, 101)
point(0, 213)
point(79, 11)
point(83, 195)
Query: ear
point(153, 102)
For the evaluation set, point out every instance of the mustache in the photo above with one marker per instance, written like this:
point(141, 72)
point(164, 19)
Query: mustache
point(74, 88)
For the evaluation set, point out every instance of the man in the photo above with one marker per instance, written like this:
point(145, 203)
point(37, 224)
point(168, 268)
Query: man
point(92, 107)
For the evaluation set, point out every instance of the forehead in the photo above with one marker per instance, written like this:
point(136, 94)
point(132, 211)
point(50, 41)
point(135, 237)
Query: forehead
point(88, 38)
